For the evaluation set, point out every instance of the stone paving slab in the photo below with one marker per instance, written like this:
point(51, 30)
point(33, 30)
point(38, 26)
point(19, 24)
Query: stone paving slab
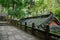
point(13, 33)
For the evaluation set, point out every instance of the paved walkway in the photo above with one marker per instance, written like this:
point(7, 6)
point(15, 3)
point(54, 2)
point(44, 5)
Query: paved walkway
point(8, 32)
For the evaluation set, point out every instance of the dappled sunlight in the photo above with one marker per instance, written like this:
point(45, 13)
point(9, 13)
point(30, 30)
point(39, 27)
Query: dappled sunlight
point(29, 19)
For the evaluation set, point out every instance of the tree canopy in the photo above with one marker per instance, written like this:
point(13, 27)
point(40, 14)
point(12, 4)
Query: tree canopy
point(23, 8)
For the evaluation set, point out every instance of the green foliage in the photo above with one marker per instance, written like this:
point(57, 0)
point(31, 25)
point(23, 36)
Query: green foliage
point(5, 3)
point(56, 10)
point(56, 32)
point(18, 12)
point(50, 5)
point(18, 6)
point(39, 5)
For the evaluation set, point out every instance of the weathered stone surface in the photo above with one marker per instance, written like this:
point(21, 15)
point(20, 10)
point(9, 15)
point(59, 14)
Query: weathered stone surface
point(12, 33)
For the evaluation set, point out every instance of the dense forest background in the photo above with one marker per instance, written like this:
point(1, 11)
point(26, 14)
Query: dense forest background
point(26, 8)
